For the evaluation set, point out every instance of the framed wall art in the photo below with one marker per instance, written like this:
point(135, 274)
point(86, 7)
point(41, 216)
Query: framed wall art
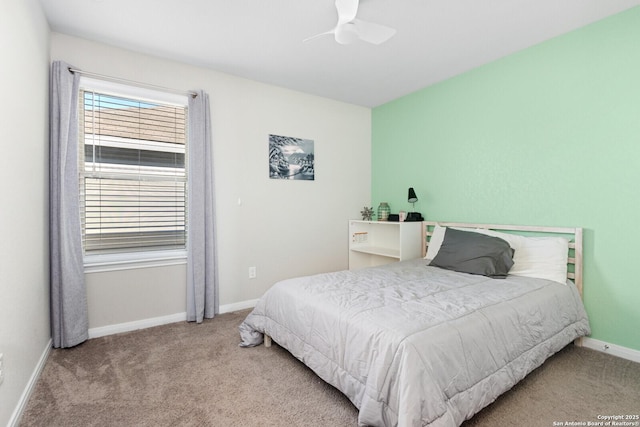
point(291, 158)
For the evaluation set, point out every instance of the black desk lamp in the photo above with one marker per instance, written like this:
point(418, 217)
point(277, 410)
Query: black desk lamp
point(412, 198)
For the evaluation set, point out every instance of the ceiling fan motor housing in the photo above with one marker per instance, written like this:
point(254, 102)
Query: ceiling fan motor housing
point(346, 33)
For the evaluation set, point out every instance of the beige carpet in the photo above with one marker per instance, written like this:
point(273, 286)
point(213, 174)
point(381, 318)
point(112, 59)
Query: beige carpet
point(196, 375)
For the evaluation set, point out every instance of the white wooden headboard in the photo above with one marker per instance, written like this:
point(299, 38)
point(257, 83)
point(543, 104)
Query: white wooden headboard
point(574, 263)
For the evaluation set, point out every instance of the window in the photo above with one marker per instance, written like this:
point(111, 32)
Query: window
point(133, 174)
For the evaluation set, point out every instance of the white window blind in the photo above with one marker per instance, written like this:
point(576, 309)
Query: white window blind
point(133, 176)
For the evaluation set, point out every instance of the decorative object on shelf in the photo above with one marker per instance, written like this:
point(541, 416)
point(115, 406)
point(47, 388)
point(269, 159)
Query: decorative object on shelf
point(367, 213)
point(412, 198)
point(291, 158)
point(383, 211)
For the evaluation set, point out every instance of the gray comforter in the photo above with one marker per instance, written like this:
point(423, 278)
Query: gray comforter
point(414, 345)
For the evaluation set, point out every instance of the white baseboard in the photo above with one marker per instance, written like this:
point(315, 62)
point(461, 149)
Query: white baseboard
point(162, 320)
point(14, 421)
point(613, 349)
point(242, 305)
point(135, 325)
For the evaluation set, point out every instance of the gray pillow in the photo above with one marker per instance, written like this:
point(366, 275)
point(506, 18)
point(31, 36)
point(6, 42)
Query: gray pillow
point(474, 253)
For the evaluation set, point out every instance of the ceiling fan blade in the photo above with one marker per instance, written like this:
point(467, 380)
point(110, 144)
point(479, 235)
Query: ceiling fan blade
point(350, 29)
point(347, 10)
point(373, 33)
point(319, 35)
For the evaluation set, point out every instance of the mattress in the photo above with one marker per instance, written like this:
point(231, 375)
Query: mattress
point(415, 345)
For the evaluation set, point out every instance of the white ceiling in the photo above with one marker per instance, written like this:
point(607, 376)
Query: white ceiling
point(262, 39)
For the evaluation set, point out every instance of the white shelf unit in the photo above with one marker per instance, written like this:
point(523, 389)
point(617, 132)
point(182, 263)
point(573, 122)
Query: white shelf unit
point(374, 243)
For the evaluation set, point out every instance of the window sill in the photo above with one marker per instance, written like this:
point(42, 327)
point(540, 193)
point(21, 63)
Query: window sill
point(129, 261)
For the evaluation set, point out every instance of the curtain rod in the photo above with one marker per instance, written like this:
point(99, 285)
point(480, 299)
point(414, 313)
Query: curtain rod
point(147, 85)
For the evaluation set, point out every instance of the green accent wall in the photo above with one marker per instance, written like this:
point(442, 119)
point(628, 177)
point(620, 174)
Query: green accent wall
point(546, 136)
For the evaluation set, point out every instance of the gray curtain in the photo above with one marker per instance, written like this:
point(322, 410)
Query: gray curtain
point(69, 318)
point(202, 282)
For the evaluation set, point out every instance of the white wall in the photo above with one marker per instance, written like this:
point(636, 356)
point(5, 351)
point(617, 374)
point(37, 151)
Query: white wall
point(24, 253)
point(284, 228)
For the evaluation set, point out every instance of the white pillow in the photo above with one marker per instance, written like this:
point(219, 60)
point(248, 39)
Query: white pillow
point(540, 257)
point(435, 242)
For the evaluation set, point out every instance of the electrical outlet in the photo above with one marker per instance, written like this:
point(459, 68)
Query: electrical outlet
point(252, 272)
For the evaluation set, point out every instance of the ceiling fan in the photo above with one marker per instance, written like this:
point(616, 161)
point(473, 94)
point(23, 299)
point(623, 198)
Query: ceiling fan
point(350, 29)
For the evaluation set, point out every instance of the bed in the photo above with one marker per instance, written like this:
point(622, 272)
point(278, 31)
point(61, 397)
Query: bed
point(432, 341)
